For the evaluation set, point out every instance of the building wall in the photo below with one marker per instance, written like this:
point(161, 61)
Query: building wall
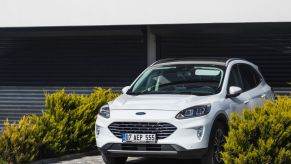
point(115, 55)
point(266, 44)
point(71, 56)
point(17, 13)
point(34, 60)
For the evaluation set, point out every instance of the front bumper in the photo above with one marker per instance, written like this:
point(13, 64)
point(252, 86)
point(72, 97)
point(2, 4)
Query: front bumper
point(150, 150)
point(184, 140)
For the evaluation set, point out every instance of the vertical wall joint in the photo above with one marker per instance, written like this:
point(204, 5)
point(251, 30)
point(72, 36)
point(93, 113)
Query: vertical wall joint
point(151, 46)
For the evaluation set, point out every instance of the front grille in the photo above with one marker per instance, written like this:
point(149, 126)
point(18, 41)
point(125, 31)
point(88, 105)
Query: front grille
point(162, 130)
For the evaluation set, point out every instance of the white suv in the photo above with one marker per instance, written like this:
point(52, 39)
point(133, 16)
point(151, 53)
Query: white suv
point(179, 108)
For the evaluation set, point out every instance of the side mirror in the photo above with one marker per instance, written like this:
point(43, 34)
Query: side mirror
point(234, 91)
point(125, 89)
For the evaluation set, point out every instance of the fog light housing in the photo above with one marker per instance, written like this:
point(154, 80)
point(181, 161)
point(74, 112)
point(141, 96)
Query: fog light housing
point(199, 132)
point(97, 129)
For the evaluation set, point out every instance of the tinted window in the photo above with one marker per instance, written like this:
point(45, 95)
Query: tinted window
point(250, 77)
point(234, 77)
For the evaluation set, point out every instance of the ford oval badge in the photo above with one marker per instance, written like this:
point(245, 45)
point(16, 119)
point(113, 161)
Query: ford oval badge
point(140, 113)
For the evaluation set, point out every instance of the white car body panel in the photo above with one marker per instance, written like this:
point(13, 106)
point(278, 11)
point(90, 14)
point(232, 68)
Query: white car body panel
point(164, 108)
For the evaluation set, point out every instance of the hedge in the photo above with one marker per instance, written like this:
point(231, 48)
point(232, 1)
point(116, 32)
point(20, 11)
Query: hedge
point(262, 135)
point(66, 126)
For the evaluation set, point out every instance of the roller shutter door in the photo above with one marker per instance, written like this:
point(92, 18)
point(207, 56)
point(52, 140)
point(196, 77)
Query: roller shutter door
point(271, 50)
point(71, 60)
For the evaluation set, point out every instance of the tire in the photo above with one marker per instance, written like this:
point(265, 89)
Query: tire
point(113, 160)
point(216, 142)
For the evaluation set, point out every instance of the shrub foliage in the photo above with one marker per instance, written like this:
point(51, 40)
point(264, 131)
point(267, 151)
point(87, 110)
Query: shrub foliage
point(66, 126)
point(262, 135)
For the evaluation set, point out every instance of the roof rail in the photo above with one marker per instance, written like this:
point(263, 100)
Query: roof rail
point(232, 59)
point(220, 59)
point(163, 61)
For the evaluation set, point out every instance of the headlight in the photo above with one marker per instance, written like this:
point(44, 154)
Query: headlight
point(104, 111)
point(195, 111)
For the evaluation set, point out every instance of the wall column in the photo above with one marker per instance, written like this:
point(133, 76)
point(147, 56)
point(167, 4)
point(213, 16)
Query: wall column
point(151, 46)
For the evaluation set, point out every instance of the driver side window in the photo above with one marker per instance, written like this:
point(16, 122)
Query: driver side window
point(234, 78)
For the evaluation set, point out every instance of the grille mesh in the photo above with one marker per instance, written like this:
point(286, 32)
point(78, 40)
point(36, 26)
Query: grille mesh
point(162, 130)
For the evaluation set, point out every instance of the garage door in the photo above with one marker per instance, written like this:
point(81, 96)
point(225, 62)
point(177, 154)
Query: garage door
point(268, 46)
point(70, 57)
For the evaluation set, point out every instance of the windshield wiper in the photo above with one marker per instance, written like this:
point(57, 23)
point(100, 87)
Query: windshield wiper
point(149, 93)
point(180, 93)
point(184, 93)
point(140, 93)
point(133, 93)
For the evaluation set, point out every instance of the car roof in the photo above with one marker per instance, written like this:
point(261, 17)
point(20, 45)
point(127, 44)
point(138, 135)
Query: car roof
point(210, 60)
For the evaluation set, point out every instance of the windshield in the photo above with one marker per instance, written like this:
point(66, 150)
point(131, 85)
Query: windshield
point(196, 79)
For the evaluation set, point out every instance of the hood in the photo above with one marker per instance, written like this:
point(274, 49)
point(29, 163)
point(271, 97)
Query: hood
point(158, 102)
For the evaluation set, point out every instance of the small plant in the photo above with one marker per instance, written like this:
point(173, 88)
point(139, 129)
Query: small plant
point(66, 126)
point(262, 135)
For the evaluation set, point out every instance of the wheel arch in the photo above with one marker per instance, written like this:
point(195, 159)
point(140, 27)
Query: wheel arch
point(220, 117)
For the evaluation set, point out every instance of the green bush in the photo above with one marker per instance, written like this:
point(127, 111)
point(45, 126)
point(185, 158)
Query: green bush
point(2, 161)
point(19, 142)
point(66, 126)
point(262, 135)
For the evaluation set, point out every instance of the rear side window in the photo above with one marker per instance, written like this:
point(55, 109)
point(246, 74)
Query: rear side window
point(250, 77)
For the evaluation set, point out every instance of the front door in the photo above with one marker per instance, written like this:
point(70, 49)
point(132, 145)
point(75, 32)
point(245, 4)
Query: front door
point(242, 101)
point(252, 85)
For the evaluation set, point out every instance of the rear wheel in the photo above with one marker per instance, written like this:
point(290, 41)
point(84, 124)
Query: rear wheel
point(216, 143)
point(113, 160)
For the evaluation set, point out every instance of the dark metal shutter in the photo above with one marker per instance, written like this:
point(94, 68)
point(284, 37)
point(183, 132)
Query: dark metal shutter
point(270, 50)
point(70, 60)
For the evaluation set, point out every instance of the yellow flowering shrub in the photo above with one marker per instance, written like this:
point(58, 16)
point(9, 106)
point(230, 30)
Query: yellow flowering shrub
point(262, 135)
point(66, 126)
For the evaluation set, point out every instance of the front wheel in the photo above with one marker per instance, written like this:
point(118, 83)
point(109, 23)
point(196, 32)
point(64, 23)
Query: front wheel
point(216, 143)
point(113, 160)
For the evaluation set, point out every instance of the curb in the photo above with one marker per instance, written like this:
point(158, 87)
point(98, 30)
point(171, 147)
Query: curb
point(66, 157)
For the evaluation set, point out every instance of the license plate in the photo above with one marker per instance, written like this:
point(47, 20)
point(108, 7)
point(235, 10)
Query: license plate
point(132, 137)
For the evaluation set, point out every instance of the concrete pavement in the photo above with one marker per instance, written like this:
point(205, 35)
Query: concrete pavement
point(97, 159)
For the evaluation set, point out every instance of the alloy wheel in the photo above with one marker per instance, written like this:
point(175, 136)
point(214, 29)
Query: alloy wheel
point(219, 141)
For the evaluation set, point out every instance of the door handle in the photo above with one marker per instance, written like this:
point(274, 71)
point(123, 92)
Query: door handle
point(247, 101)
point(263, 96)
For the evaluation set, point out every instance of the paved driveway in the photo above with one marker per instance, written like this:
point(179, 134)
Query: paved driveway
point(98, 160)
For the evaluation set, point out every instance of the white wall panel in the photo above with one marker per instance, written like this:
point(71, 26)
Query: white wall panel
point(18, 13)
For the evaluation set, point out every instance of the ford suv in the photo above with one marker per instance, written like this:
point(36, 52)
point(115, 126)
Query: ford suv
point(179, 108)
